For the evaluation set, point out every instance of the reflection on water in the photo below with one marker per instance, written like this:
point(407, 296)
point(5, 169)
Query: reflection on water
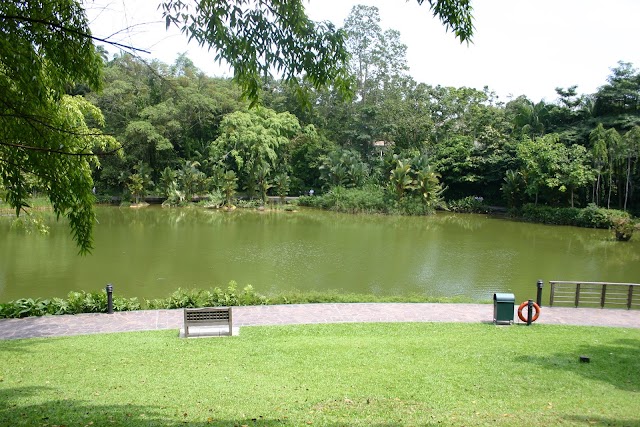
point(150, 252)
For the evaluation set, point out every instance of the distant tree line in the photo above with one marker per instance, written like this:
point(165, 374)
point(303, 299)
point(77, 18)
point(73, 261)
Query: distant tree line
point(183, 131)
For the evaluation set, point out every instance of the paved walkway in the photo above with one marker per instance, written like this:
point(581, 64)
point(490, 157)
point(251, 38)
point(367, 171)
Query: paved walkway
point(146, 320)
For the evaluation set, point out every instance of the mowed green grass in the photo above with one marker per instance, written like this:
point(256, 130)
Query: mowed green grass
point(401, 374)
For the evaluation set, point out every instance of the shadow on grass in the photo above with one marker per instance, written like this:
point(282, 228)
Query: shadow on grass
point(22, 345)
point(600, 421)
point(617, 363)
point(67, 412)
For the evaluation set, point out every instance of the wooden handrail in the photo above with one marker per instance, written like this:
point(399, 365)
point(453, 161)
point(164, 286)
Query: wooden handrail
point(579, 291)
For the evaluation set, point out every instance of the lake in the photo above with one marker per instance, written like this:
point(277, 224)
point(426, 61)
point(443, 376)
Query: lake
point(150, 252)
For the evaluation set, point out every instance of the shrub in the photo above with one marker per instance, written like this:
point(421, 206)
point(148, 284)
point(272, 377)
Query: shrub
point(215, 200)
point(76, 302)
point(595, 217)
point(469, 204)
point(591, 216)
point(411, 205)
point(215, 297)
point(623, 227)
point(369, 199)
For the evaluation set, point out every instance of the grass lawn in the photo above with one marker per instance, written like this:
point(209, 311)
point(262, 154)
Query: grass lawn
point(401, 374)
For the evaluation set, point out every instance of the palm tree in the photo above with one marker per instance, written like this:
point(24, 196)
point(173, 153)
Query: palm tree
point(401, 179)
point(281, 183)
point(262, 180)
point(167, 180)
point(428, 184)
point(191, 179)
point(511, 186)
point(229, 186)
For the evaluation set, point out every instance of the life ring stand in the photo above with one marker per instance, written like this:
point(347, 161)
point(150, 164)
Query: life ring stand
point(536, 307)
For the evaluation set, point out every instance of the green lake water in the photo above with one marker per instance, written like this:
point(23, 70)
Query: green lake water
point(150, 252)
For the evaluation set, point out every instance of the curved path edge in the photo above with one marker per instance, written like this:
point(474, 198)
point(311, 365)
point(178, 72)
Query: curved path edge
point(147, 320)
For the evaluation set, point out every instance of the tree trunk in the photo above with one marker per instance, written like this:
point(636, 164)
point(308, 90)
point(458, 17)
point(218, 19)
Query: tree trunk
point(609, 193)
point(572, 197)
point(597, 200)
point(626, 185)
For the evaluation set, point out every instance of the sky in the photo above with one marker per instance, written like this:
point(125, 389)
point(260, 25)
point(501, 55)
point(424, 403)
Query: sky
point(520, 47)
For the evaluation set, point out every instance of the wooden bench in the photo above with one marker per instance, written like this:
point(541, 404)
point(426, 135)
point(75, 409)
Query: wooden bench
point(207, 316)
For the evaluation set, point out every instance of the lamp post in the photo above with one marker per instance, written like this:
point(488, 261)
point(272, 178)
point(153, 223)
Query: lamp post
point(110, 298)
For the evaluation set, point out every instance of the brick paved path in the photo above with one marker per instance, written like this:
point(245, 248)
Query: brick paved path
point(51, 326)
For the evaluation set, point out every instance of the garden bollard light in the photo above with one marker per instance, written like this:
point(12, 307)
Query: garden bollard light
point(539, 295)
point(529, 312)
point(110, 298)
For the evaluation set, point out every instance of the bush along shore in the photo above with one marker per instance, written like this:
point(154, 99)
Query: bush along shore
point(96, 302)
point(355, 200)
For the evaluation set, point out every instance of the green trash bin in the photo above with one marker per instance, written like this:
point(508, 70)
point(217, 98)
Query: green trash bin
point(503, 305)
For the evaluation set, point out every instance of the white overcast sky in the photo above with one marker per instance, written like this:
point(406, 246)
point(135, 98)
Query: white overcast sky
point(520, 47)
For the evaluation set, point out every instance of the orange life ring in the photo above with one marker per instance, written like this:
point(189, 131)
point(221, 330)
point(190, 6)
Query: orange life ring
point(536, 307)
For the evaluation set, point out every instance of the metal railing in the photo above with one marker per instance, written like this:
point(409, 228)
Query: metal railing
point(603, 294)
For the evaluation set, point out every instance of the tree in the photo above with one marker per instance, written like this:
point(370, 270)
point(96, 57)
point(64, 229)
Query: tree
point(229, 186)
point(258, 38)
point(46, 48)
point(600, 156)
point(577, 173)
point(632, 146)
point(401, 178)
point(253, 140)
point(621, 96)
point(191, 179)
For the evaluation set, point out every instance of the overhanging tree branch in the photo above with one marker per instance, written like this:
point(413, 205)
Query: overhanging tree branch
point(66, 153)
point(69, 30)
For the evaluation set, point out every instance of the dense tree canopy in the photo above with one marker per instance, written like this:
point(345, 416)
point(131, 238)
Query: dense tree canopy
point(181, 133)
point(47, 136)
point(47, 51)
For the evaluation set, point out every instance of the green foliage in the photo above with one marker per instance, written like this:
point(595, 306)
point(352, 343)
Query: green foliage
point(591, 216)
point(623, 228)
point(370, 199)
point(75, 303)
point(191, 179)
point(401, 179)
point(252, 143)
point(256, 39)
point(412, 205)
point(595, 217)
point(215, 200)
point(470, 204)
point(281, 183)
point(343, 167)
point(229, 186)
point(336, 296)
point(46, 134)
point(30, 222)
point(215, 297)
point(328, 375)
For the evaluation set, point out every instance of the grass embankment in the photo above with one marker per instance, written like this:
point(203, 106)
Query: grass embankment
point(35, 204)
point(327, 375)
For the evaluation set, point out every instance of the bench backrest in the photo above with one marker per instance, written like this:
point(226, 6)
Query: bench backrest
point(207, 316)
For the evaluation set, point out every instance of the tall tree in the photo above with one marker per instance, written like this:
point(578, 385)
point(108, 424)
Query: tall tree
point(253, 143)
point(257, 38)
point(45, 49)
